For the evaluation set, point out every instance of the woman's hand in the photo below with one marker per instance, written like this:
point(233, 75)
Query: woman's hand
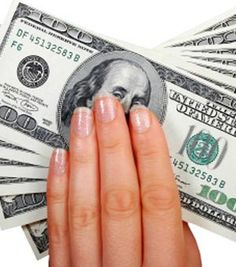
point(113, 201)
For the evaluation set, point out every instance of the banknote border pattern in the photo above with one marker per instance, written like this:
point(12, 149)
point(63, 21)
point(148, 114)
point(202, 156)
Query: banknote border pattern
point(52, 139)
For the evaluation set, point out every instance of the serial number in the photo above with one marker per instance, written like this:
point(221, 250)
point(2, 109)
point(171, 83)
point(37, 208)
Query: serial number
point(52, 47)
point(198, 173)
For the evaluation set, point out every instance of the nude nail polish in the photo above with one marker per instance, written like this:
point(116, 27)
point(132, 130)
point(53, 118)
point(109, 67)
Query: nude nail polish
point(59, 161)
point(83, 122)
point(105, 107)
point(140, 119)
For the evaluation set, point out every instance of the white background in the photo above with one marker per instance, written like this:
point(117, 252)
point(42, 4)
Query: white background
point(145, 23)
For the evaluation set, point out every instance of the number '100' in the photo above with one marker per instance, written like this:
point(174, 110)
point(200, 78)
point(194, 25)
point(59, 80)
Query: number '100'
point(10, 115)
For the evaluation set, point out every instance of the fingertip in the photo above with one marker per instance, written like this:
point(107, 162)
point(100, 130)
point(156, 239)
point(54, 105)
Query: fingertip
point(140, 119)
point(82, 123)
point(58, 162)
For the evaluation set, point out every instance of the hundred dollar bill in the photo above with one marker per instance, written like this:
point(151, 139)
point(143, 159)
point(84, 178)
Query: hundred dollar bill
point(22, 209)
point(225, 66)
point(222, 36)
point(11, 162)
point(23, 156)
point(226, 50)
point(49, 67)
point(21, 185)
point(195, 66)
point(224, 20)
point(13, 146)
point(211, 76)
point(43, 136)
point(224, 61)
point(37, 235)
point(216, 64)
point(23, 171)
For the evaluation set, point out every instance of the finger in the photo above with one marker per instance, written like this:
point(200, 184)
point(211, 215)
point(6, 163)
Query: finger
point(193, 254)
point(84, 192)
point(121, 227)
point(57, 192)
point(162, 224)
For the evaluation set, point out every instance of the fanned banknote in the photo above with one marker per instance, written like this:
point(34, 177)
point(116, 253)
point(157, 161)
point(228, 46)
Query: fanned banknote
point(23, 156)
point(47, 66)
point(21, 185)
point(37, 235)
point(225, 20)
point(16, 184)
point(207, 51)
point(22, 209)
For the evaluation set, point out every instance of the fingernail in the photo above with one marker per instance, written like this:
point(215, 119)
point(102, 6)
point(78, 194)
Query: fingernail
point(105, 107)
point(140, 118)
point(59, 161)
point(83, 121)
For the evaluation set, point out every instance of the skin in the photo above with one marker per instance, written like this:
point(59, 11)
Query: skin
point(113, 200)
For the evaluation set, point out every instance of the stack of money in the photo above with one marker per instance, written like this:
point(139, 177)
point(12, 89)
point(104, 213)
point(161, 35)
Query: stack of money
point(49, 67)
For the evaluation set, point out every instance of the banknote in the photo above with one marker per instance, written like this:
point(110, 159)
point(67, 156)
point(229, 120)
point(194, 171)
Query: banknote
point(227, 50)
point(21, 185)
point(19, 155)
point(37, 235)
point(12, 162)
point(225, 20)
point(16, 210)
point(23, 156)
point(221, 36)
point(225, 66)
point(210, 76)
point(214, 70)
point(37, 101)
point(216, 64)
point(222, 54)
point(223, 62)
point(55, 133)
point(6, 144)
point(22, 171)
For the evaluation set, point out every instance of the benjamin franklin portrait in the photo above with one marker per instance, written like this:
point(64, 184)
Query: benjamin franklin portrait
point(128, 76)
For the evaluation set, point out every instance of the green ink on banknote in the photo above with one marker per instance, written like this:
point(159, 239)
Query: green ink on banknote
point(202, 148)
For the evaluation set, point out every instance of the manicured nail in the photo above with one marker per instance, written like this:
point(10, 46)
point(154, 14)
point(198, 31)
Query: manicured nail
point(140, 118)
point(83, 121)
point(105, 107)
point(59, 161)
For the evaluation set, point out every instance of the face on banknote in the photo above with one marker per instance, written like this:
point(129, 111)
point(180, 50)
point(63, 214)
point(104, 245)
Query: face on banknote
point(49, 67)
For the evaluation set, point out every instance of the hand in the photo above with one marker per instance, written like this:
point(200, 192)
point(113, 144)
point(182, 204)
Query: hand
point(113, 200)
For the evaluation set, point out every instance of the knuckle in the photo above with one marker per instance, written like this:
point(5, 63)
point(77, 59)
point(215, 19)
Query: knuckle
point(148, 152)
point(111, 145)
point(57, 233)
point(159, 198)
point(120, 203)
point(82, 216)
point(55, 197)
point(82, 157)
